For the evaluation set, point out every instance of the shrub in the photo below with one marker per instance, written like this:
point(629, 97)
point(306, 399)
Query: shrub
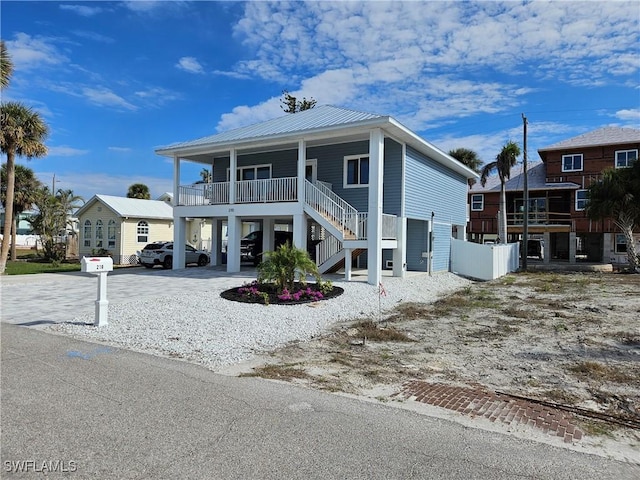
point(283, 266)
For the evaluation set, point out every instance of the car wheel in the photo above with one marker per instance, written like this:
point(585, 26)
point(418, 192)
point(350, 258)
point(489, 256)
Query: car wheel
point(202, 261)
point(146, 265)
point(168, 263)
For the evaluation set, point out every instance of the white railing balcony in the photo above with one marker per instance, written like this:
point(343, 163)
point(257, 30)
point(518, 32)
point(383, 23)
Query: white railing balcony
point(389, 223)
point(267, 190)
point(203, 194)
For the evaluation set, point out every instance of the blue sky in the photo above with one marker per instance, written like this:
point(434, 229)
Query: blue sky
point(115, 80)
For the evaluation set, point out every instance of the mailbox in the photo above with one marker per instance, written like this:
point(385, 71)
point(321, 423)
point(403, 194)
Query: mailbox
point(97, 264)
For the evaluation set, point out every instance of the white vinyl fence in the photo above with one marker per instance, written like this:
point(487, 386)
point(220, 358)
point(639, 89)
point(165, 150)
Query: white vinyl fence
point(484, 262)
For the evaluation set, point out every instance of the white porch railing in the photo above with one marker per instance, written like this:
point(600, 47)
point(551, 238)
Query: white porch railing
point(267, 190)
point(389, 223)
point(203, 194)
point(327, 249)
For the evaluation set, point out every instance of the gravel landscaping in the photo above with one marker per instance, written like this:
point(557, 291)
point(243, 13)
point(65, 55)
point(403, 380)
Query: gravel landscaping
point(209, 330)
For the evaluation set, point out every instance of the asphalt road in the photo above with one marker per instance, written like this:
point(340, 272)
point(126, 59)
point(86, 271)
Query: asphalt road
point(105, 413)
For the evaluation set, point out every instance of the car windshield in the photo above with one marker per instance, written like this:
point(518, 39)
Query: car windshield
point(154, 246)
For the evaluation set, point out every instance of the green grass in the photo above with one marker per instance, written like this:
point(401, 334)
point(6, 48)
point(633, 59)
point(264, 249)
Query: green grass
point(25, 268)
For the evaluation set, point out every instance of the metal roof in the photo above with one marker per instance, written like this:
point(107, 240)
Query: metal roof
point(324, 116)
point(601, 136)
point(536, 177)
point(132, 207)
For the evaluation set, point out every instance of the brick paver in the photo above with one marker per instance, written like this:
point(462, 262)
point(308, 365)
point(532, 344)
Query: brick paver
point(480, 402)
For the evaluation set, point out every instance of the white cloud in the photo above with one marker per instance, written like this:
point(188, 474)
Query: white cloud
point(189, 64)
point(157, 96)
point(66, 151)
point(29, 52)
point(628, 114)
point(97, 37)
point(142, 5)
point(106, 98)
point(120, 149)
point(83, 10)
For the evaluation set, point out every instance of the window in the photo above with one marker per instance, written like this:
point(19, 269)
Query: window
point(477, 202)
point(624, 158)
point(111, 234)
point(581, 199)
point(99, 237)
point(356, 171)
point(86, 233)
point(142, 231)
point(621, 243)
point(572, 163)
point(254, 172)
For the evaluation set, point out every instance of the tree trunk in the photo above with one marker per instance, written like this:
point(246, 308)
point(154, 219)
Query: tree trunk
point(626, 224)
point(502, 221)
point(8, 211)
point(14, 232)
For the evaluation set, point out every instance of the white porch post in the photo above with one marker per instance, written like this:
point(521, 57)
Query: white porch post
point(347, 264)
point(302, 167)
point(374, 220)
point(267, 235)
point(233, 167)
point(179, 241)
point(400, 253)
point(176, 181)
point(572, 247)
point(300, 231)
point(547, 247)
point(234, 231)
point(215, 242)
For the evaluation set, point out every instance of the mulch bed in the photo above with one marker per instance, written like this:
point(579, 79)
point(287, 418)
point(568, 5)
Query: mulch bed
point(235, 295)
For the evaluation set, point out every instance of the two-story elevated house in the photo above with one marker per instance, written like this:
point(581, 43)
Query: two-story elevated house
point(557, 198)
point(350, 184)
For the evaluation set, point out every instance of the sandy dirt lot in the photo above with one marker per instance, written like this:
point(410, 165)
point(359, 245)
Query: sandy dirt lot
point(566, 338)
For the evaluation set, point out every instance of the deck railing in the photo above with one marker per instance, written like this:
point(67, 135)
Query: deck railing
point(540, 218)
point(204, 194)
point(267, 190)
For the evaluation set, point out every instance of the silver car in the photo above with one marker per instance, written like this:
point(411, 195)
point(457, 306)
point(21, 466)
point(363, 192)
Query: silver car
point(161, 253)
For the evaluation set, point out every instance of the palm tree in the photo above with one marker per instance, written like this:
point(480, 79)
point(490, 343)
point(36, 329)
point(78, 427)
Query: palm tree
point(506, 159)
point(205, 176)
point(6, 65)
point(26, 187)
point(139, 190)
point(22, 133)
point(69, 203)
point(468, 158)
point(617, 196)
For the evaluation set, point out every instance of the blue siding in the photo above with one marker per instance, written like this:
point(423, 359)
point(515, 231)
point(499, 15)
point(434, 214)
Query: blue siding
point(417, 241)
point(392, 186)
point(431, 187)
point(283, 164)
point(331, 169)
point(441, 247)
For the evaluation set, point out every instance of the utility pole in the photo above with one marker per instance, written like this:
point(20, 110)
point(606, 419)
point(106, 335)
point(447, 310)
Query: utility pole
point(525, 226)
point(53, 185)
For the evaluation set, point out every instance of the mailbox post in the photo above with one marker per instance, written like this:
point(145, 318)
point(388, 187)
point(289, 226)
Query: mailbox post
point(99, 266)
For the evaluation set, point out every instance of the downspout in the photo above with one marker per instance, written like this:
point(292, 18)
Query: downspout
point(431, 237)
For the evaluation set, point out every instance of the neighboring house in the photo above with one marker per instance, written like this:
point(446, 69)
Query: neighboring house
point(357, 185)
point(123, 226)
point(558, 196)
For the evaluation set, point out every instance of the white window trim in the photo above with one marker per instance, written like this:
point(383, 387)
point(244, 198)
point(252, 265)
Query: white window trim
point(481, 195)
point(111, 225)
point(99, 233)
point(616, 243)
point(345, 170)
point(138, 234)
point(574, 155)
point(86, 240)
point(615, 158)
point(578, 209)
point(254, 167)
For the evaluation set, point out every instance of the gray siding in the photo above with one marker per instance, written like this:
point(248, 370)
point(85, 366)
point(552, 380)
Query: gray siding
point(431, 187)
point(417, 241)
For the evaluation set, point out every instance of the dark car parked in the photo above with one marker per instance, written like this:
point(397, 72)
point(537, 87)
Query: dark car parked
point(251, 244)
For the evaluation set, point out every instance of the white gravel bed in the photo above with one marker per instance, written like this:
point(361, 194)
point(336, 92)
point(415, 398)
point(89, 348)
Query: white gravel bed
point(205, 328)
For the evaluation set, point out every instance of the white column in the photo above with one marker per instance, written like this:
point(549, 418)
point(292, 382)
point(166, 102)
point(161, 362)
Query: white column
point(347, 264)
point(302, 166)
point(267, 235)
point(608, 248)
point(233, 167)
point(234, 231)
point(547, 247)
point(215, 242)
point(572, 247)
point(179, 241)
point(300, 231)
point(374, 220)
point(176, 181)
point(400, 253)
